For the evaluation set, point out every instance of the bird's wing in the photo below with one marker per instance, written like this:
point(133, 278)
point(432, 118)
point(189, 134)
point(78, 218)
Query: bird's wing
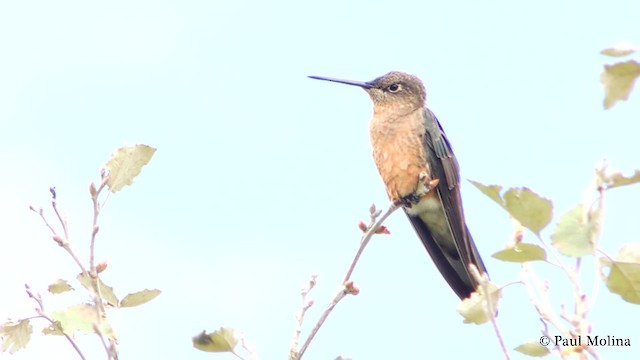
point(444, 167)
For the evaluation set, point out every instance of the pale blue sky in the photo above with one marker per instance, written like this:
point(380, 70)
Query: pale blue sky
point(261, 174)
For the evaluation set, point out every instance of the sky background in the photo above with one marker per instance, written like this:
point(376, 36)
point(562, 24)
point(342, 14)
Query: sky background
point(261, 174)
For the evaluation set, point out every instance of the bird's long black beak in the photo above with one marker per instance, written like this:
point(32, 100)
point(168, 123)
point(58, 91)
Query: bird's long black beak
point(364, 85)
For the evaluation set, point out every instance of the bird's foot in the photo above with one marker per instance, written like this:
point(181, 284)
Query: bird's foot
point(431, 184)
point(428, 182)
point(408, 201)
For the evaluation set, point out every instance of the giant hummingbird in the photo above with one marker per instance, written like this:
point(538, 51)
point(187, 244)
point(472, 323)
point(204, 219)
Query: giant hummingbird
point(420, 172)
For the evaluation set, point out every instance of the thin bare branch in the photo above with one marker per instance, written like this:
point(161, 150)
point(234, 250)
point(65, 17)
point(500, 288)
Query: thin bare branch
point(96, 212)
point(63, 221)
point(347, 286)
point(339, 296)
point(483, 280)
point(306, 304)
point(542, 304)
point(40, 213)
point(366, 237)
point(595, 288)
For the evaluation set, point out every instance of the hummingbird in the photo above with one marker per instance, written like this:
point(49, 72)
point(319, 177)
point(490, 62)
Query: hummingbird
point(420, 172)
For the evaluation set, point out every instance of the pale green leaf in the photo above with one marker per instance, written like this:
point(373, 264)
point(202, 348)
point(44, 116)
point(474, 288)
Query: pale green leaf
point(59, 286)
point(492, 191)
point(618, 80)
point(15, 335)
point(53, 329)
point(474, 309)
point(106, 292)
point(139, 298)
point(618, 179)
point(619, 50)
point(530, 209)
point(81, 318)
point(624, 274)
point(223, 340)
point(533, 348)
point(575, 232)
point(126, 163)
point(521, 252)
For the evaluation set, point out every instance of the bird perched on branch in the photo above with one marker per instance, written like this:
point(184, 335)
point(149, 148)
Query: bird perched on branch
point(421, 173)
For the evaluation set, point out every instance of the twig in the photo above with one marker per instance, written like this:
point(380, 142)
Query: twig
point(339, 296)
point(592, 352)
point(580, 307)
point(67, 248)
point(251, 349)
point(96, 211)
point(40, 212)
point(63, 222)
point(112, 351)
point(601, 209)
point(546, 333)
point(41, 314)
point(98, 332)
point(556, 257)
point(581, 302)
point(483, 280)
point(347, 285)
point(542, 305)
point(64, 243)
point(300, 316)
point(237, 355)
point(548, 315)
point(366, 237)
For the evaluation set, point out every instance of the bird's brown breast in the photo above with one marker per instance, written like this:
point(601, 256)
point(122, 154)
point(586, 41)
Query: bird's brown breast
point(397, 138)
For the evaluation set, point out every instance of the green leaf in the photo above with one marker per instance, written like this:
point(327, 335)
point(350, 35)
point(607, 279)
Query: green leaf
point(223, 340)
point(574, 234)
point(474, 308)
point(530, 209)
point(106, 292)
point(139, 298)
point(533, 348)
point(492, 191)
point(521, 252)
point(618, 179)
point(126, 163)
point(81, 318)
point(15, 335)
point(59, 286)
point(624, 274)
point(618, 80)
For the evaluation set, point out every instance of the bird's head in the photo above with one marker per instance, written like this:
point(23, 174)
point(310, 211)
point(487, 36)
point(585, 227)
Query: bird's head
point(392, 89)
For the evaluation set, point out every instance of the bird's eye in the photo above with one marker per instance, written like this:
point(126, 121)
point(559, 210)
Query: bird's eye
point(394, 88)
